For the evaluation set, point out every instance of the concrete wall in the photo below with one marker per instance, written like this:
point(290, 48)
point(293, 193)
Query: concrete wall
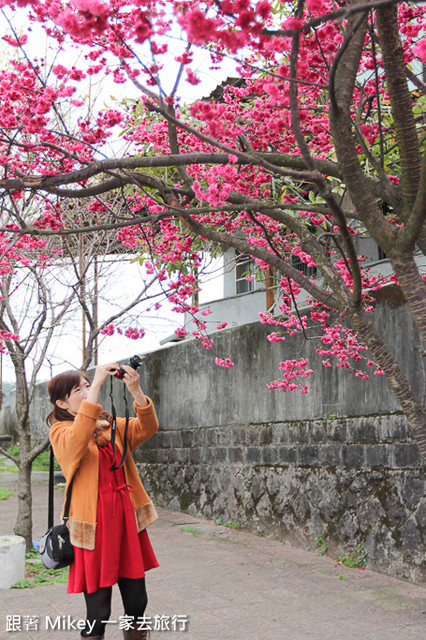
point(337, 464)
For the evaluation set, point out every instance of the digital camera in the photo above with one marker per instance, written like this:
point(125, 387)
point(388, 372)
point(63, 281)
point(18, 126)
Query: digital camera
point(134, 362)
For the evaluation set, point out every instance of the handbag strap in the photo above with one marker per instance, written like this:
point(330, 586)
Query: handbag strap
point(51, 495)
point(115, 466)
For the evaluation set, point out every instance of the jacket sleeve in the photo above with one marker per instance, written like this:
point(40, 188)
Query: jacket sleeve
point(70, 439)
point(142, 427)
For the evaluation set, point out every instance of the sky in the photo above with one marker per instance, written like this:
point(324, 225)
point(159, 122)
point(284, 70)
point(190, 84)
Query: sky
point(118, 286)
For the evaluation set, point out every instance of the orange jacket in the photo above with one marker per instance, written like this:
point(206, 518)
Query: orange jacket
point(77, 453)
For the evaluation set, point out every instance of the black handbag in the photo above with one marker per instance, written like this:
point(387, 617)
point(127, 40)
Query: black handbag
point(56, 549)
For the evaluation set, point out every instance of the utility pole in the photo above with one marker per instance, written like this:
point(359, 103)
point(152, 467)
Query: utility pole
point(1, 379)
point(95, 306)
point(82, 295)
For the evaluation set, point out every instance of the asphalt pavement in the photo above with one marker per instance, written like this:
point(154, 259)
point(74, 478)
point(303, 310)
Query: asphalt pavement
point(219, 583)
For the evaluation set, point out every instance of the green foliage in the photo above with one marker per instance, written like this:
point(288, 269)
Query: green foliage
point(37, 575)
point(232, 525)
point(23, 584)
point(41, 463)
point(5, 493)
point(358, 558)
point(320, 542)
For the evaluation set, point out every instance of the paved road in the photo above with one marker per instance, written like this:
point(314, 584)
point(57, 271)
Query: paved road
point(229, 585)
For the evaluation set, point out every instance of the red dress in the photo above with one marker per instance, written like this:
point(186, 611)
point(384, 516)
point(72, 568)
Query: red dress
point(120, 552)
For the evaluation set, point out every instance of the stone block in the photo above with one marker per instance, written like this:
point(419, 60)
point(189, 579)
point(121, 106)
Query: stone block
point(224, 437)
point(219, 454)
point(172, 455)
point(254, 454)
point(197, 438)
point(253, 435)
point(239, 435)
point(266, 434)
point(410, 535)
point(280, 433)
point(330, 455)
point(413, 488)
point(12, 560)
point(407, 455)
point(166, 440)
point(421, 515)
point(308, 456)
point(317, 432)
point(176, 439)
point(211, 437)
point(162, 455)
point(378, 455)
point(393, 428)
point(207, 455)
point(287, 455)
point(270, 455)
point(149, 455)
point(337, 431)
point(363, 430)
point(187, 437)
point(353, 455)
point(299, 433)
point(195, 455)
point(183, 455)
point(235, 454)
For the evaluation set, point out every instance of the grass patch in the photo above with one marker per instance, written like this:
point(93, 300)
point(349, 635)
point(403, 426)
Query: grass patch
point(194, 531)
point(232, 525)
point(41, 463)
point(37, 575)
point(7, 465)
point(5, 493)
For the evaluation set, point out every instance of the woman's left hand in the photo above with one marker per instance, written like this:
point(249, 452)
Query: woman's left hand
point(132, 382)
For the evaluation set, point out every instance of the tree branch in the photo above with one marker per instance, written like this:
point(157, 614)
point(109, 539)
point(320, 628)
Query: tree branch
point(310, 164)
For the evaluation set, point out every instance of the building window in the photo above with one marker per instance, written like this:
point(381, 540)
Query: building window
point(297, 263)
point(244, 268)
point(382, 254)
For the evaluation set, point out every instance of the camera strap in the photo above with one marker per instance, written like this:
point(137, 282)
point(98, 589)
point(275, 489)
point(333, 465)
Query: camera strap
point(50, 509)
point(114, 466)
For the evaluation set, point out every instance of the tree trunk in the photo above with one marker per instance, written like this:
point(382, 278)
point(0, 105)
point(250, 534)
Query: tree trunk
point(413, 287)
point(24, 522)
point(410, 404)
point(23, 526)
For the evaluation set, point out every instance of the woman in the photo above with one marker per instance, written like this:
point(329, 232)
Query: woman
point(110, 509)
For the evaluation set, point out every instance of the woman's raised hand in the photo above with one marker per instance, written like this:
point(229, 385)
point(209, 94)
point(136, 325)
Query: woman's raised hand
point(132, 382)
point(101, 373)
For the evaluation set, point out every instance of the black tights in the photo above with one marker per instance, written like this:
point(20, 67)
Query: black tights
point(98, 604)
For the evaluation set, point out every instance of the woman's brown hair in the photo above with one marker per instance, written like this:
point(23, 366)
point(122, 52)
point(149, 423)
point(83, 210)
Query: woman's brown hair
point(60, 388)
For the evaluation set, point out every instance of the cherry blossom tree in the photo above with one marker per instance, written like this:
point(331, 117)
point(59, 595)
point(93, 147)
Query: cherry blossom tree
point(318, 139)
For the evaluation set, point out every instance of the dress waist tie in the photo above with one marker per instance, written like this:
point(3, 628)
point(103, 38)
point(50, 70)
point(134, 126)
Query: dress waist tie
point(121, 489)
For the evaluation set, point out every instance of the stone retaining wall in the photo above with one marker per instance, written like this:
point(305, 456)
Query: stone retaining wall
point(355, 485)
